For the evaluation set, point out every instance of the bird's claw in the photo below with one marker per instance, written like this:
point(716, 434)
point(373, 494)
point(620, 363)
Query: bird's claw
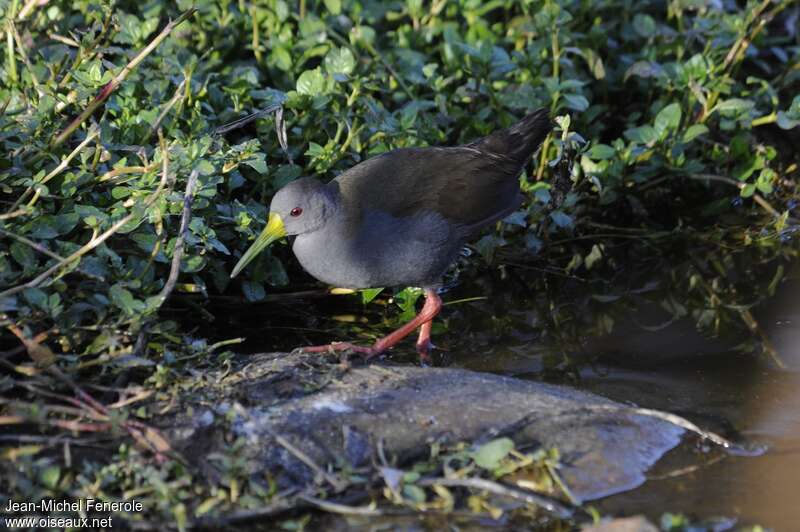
point(336, 347)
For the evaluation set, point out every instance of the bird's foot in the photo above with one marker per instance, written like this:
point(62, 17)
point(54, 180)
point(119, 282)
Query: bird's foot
point(335, 347)
point(423, 350)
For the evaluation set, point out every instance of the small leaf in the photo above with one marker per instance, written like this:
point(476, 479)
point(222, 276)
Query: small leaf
point(734, 106)
point(311, 82)
point(415, 493)
point(644, 25)
point(668, 119)
point(340, 61)
point(561, 219)
point(49, 476)
point(644, 69)
point(576, 102)
point(600, 152)
point(694, 131)
point(644, 134)
point(595, 255)
point(369, 294)
point(489, 455)
point(595, 63)
point(253, 291)
point(334, 6)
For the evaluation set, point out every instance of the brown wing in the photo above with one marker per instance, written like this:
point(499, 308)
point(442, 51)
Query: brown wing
point(470, 185)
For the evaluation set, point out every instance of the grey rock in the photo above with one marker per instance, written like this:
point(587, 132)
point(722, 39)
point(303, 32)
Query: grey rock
point(338, 414)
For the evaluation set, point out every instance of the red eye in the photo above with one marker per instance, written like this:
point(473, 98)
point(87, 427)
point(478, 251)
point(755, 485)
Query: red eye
point(297, 211)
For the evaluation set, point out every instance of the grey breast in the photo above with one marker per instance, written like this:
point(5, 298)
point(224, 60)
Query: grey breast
point(381, 250)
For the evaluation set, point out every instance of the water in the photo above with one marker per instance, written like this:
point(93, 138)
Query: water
point(741, 395)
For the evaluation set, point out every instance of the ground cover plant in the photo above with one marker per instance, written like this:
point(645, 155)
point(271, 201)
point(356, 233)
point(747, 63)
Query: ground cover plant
point(140, 142)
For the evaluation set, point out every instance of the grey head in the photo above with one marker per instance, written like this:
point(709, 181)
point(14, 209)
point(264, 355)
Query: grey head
point(301, 207)
point(304, 205)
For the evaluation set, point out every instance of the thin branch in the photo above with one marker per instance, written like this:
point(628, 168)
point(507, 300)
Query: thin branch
point(333, 480)
point(545, 502)
point(94, 131)
point(177, 254)
point(14, 214)
point(28, 7)
point(337, 508)
point(179, 95)
point(89, 246)
point(241, 122)
point(111, 86)
point(38, 247)
point(758, 198)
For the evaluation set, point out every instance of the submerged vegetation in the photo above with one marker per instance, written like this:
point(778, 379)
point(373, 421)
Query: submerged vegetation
point(137, 156)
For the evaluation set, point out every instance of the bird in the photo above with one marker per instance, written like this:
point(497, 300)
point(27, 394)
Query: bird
point(401, 218)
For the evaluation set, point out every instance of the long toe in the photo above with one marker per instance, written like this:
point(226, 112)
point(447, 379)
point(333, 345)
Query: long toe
point(335, 347)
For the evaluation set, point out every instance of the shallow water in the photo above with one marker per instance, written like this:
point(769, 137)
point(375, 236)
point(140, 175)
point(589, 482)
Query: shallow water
point(741, 395)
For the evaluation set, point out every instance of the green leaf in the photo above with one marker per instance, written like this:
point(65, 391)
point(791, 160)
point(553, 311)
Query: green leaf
point(595, 255)
point(644, 25)
point(24, 255)
point(576, 102)
point(50, 475)
point(595, 63)
point(668, 119)
point(311, 82)
point(734, 106)
point(415, 493)
point(489, 455)
point(253, 291)
point(600, 152)
point(644, 134)
point(644, 69)
point(694, 131)
point(124, 299)
point(561, 219)
point(785, 122)
point(257, 162)
point(340, 61)
point(369, 294)
point(334, 6)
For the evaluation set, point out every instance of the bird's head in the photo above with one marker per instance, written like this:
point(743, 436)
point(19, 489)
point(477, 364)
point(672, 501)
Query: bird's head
point(300, 207)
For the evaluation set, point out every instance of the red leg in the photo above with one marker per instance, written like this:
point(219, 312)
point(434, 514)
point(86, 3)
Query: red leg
point(432, 307)
point(424, 343)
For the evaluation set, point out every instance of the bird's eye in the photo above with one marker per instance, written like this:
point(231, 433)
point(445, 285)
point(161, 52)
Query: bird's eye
point(297, 211)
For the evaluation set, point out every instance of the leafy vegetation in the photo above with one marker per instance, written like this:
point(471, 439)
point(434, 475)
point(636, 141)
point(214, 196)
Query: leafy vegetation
point(138, 156)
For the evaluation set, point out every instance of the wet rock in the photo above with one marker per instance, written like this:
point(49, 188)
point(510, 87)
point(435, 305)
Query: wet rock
point(331, 414)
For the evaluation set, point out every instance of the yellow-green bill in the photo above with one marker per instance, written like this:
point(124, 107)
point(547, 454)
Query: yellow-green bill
point(273, 231)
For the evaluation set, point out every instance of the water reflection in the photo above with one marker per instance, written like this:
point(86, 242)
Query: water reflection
point(672, 368)
point(738, 394)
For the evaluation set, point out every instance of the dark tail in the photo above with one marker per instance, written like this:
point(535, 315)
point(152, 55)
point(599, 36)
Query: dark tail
point(517, 143)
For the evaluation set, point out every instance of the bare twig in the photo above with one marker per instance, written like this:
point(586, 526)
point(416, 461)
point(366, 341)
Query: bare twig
point(333, 480)
point(177, 254)
point(93, 132)
point(24, 55)
point(280, 129)
point(241, 122)
point(95, 241)
point(550, 505)
point(28, 7)
point(179, 95)
point(111, 86)
point(38, 247)
point(337, 508)
point(14, 214)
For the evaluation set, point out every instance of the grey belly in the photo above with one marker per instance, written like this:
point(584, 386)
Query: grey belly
point(386, 251)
